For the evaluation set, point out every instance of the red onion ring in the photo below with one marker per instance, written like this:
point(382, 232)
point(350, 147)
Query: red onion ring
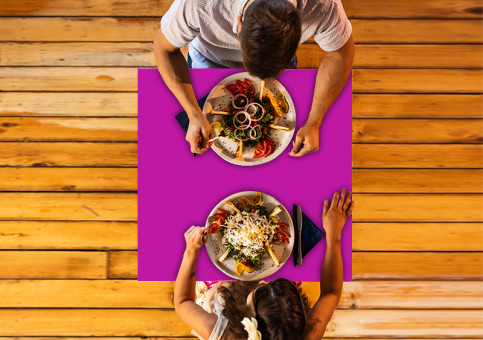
point(244, 124)
point(235, 98)
point(252, 114)
point(254, 128)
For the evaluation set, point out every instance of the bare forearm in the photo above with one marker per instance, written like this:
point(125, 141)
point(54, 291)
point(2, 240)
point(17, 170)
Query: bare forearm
point(174, 70)
point(186, 280)
point(332, 275)
point(332, 75)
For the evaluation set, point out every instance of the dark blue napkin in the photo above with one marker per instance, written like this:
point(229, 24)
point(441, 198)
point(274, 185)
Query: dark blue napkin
point(311, 235)
point(183, 119)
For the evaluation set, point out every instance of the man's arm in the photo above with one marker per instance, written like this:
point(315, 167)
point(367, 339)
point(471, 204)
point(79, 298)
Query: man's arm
point(174, 70)
point(184, 291)
point(331, 78)
point(331, 278)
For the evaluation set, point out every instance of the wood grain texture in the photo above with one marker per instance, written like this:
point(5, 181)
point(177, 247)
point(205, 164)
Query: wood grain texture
point(79, 29)
point(412, 9)
point(62, 235)
point(398, 56)
point(134, 294)
point(123, 207)
point(68, 179)
point(52, 265)
point(68, 129)
point(135, 54)
point(125, 104)
point(67, 79)
point(43, 154)
point(69, 154)
point(417, 237)
point(69, 206)
point(417, 31)
point(144, 29)
point(418, 208)
point(417, 265)
point(417, 156)
point(417, 106)
point(67, 235)
point(125, 179)
point(68, 104)
point(77, 54)
point(417, 181)
point(85, 8)
point(123, 265)
point(353, 8)
point(125, 79)
point(148, 322)
point(424, 131)
point(417, 81)
point(365, 266)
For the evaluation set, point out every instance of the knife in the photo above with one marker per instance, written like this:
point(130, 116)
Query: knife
point(299, 224)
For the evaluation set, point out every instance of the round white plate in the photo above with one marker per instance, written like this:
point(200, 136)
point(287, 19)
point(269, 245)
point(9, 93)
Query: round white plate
point(219, 98)
point(266, 267)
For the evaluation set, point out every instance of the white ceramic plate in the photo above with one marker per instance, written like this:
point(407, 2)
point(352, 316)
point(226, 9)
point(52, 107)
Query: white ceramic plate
point(266, 267)
point(219, 98)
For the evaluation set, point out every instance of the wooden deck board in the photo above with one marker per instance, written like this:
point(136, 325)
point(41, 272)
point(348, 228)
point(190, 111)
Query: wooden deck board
point(123, 207)
point(135, 54)
point(65, 235)
point(125, 179)
point(369, 131)
point(148, 322)
point(52, 265)
point(353, 8)
point(366, 265)
point(417, 158)
point(134, 294)
point(105, 104)
point(137, 29)
point(125, 79)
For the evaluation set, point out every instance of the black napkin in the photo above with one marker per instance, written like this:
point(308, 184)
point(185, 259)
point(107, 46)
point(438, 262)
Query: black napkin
point(183, 119)
point(311, 235)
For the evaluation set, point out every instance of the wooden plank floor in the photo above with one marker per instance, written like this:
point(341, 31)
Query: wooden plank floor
point(68, 177)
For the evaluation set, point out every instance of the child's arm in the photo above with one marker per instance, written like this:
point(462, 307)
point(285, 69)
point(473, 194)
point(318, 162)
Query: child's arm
point(331, 280)
point(184, 291)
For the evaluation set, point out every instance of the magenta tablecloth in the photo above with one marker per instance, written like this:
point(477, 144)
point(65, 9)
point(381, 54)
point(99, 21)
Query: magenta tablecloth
point(177, 190)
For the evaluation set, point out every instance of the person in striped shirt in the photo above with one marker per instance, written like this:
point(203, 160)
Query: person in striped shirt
point(261, 36)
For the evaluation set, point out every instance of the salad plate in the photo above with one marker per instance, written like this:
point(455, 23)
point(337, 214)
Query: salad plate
point(251, 235)
point(264, 125)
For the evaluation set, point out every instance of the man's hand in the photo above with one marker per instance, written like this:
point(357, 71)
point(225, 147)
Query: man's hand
point(306, 141)
point(335, 214)
point(199, 133)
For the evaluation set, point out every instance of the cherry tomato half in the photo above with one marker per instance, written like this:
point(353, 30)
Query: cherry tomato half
point(213, 229)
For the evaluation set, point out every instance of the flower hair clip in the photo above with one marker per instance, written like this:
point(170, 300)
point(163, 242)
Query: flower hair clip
point(251, 326)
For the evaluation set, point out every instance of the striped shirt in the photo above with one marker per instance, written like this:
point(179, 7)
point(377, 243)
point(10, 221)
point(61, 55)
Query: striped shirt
point(210, 28)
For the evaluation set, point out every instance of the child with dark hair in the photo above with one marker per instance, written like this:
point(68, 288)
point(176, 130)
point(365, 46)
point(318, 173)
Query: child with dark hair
point(263, 310)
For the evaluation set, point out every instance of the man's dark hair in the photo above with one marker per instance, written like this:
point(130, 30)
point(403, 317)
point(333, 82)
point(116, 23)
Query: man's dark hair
point(269, 37)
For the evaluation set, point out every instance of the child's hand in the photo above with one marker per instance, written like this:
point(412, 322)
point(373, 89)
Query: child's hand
point(196, 238)
point(335, 214)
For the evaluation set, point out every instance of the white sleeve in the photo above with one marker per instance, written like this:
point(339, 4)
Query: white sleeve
point(335, 29)
point(180, 24)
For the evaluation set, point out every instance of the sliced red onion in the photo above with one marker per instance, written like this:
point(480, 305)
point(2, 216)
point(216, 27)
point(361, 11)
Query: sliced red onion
point(254, 111)
point(253, 132)
point(236, 97)
point(241, 123)
point(238, 138)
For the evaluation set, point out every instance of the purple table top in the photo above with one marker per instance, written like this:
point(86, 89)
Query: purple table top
point(177, 190)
